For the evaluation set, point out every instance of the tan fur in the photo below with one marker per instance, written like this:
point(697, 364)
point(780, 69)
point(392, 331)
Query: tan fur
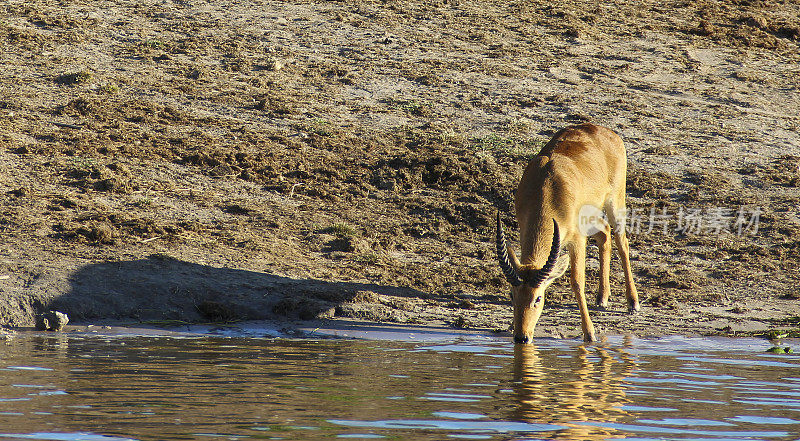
point(581, 165)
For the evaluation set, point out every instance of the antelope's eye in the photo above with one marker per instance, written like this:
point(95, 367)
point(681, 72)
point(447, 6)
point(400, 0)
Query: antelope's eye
point(537, 300)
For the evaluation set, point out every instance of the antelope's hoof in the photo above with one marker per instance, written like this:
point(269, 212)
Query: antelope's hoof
point(633, 308)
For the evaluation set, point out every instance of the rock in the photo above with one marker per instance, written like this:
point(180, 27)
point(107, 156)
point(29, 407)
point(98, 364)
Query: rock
point(51, 321)
point(756, 21)
point(221, 170)
point(101, 233)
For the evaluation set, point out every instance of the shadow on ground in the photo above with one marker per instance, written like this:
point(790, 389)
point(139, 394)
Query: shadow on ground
point(162, 288)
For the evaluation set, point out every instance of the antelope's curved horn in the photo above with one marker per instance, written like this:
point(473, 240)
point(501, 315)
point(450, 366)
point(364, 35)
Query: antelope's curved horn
point(502, 256)
point(543, 273)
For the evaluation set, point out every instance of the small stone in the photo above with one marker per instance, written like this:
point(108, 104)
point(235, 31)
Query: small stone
point(222, 170)
point(274, 64)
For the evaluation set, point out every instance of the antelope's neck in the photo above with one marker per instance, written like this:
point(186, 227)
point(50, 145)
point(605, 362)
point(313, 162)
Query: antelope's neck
point(535, 242)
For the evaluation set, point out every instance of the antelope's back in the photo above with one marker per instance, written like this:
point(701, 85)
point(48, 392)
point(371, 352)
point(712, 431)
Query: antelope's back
point(591, 150)
point(586, 142)
point(580, 164)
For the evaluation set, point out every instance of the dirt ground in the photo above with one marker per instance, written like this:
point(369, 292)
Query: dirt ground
point(217, 160)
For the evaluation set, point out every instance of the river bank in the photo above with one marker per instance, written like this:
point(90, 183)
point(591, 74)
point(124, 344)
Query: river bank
point(214, 161)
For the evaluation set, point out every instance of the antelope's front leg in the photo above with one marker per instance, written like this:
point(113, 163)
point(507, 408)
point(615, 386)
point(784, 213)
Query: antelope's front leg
point(577, 280)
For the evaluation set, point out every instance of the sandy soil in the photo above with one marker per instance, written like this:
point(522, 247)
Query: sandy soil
point(223, 160)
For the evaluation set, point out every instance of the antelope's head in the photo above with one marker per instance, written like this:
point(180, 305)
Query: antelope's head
point(528, 282)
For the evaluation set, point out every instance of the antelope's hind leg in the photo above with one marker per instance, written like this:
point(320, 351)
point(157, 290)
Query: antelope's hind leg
point(603, 240)
point(616, 217)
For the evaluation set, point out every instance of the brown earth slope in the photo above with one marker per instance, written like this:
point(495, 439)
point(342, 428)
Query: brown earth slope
point(219, 160)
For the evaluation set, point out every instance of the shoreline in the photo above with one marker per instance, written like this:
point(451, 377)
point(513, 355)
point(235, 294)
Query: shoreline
point(369, 331)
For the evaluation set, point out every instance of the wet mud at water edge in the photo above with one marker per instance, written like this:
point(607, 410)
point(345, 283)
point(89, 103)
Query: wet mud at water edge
point(216, 161)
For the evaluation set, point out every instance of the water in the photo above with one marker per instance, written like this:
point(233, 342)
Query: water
point(83, 387)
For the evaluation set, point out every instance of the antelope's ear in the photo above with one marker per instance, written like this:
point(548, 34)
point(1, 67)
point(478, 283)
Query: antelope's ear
point(513, 258)
point(559, 268)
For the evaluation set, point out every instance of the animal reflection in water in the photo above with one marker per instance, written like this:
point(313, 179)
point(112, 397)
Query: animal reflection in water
point(585, 388)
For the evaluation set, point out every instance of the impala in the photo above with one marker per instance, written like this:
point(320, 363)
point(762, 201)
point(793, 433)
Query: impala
point(573, 188)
